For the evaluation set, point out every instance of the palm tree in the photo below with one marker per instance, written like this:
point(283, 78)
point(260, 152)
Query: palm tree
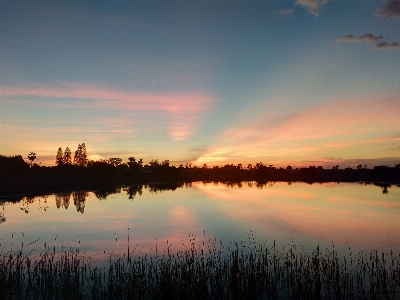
point(32, 157)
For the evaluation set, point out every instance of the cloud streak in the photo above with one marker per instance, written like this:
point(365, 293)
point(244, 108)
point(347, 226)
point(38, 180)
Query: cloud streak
point(390, 9)
point(182, 110)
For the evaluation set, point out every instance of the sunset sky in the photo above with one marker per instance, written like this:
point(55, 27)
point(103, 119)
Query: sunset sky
point(300, 82)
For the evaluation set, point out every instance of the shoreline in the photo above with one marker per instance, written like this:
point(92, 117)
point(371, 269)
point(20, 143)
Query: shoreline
point(15, 189)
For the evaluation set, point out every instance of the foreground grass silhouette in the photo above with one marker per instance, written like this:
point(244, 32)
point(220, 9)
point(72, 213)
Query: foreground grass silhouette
point(204, 272)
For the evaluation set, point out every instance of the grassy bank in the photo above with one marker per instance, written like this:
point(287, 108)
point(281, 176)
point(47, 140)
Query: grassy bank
point(204, 272)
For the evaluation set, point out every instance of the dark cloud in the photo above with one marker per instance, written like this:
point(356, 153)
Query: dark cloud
point(390, 9)
point(387, 46)
point(286, 12)
point(369, 38)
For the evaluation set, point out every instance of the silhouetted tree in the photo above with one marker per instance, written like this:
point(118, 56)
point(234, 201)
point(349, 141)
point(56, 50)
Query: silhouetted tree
point(131, 161)
point(115, 161)
point(154, 163)
point(80, 157)
point(67, 157)
point(59, 157)
point(13, 164)
point(135, 166)
point(101, 168)
point(32, 157)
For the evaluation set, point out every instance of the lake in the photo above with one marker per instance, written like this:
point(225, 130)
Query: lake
point(360, 216)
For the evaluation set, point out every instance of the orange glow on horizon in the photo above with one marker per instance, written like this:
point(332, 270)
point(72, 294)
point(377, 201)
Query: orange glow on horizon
point(308, 138)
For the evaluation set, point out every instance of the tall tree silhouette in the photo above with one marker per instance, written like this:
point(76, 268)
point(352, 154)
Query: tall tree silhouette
point(59, 157)
point(80, 157)
point(67, 157)
point(32, 157)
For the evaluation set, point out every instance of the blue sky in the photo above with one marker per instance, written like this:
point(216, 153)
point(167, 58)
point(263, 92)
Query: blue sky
point(300, 82)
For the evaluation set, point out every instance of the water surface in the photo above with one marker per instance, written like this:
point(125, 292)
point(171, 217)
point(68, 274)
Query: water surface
point(359, 216)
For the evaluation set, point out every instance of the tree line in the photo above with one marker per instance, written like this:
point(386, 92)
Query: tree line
point(137, 169)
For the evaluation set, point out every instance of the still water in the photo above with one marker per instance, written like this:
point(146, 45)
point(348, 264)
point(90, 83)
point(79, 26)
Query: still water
point(156, 218)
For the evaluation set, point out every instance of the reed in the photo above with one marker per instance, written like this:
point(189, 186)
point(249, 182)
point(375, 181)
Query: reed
point(204, 271)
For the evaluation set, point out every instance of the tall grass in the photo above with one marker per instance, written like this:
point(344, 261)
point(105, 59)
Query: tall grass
point(204, 271)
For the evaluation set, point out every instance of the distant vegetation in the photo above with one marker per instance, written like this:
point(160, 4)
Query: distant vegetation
point(16, 175)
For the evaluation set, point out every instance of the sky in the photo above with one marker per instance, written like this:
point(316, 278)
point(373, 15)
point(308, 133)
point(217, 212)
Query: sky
point(299, 82)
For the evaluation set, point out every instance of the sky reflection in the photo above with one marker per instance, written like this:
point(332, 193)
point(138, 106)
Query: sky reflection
point(356, 215)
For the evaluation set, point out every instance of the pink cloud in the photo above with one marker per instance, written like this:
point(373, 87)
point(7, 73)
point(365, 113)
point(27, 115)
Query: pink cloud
point(183, 110)
point(312, 6)
point(172, 102)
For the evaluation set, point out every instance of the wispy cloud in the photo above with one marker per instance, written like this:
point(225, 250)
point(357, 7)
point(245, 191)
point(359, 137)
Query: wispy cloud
point(387, 46)
point(371, 39)
point(286, 12)
point(347, 38)
point(390, 9)
point(182, 110)
point(312, 6)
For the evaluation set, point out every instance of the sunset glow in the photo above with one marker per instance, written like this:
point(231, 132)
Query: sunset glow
point(291, 82)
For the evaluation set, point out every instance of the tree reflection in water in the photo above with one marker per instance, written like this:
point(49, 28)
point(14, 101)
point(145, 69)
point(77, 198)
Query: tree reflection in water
point(384, 187)
point(62, 199)
point(103, 193)
point(79, 197)
point(25, 203)
point(131, 191)
point(2, 216)
point(79, 200)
